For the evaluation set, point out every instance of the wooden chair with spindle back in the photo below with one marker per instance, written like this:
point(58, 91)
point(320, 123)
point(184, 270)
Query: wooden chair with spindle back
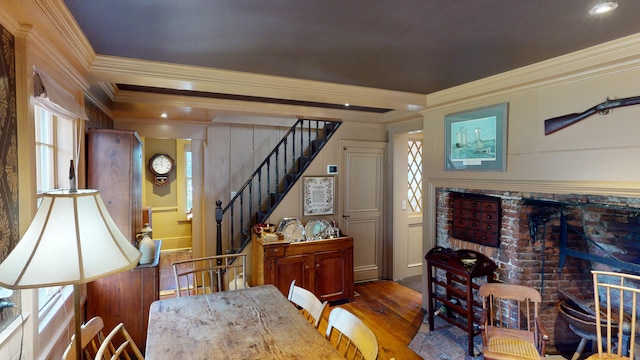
point(510, 325)
point(616, 297)
point(113, 349)
point(92, 337)
point(210, 274)
point(353, 338)
point(311, 307)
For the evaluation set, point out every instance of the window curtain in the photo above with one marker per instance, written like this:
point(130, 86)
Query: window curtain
point(50, 95)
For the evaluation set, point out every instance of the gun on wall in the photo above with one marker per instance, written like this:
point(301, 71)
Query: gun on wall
point(558, 123)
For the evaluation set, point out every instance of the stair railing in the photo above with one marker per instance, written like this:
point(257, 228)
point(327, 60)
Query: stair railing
point(258, 197)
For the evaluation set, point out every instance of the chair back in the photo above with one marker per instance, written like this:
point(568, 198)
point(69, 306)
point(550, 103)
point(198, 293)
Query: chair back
point(91, 338)
point(510, 325)
point(616, 297)
point(210, 274)
point(353, 338)
point(118, 345)
point(310, 306)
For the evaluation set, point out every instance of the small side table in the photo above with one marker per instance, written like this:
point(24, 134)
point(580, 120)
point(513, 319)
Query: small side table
point(457, 270)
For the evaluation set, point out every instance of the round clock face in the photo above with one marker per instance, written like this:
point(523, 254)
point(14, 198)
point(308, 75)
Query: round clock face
point(161, 164)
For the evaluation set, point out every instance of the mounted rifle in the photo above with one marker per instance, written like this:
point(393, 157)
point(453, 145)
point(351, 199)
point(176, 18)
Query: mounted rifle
point(557, 123)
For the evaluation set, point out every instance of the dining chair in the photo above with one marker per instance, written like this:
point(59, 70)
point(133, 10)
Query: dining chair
point(118, 345)
point(91, 337)
point(616, 297)
point(210, 274)
point(509, 322)
point(353, 338)
point(309, 305)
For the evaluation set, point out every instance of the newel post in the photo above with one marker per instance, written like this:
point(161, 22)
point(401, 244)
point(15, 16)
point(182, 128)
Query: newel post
point(219, 227)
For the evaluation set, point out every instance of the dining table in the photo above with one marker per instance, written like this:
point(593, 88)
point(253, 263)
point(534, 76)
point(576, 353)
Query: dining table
point(252, 323)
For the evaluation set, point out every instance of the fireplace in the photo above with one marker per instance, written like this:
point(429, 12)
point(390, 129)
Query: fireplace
point(540, 232)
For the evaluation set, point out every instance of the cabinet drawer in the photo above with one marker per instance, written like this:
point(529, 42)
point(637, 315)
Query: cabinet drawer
point(460, 212)
point(489, 227)
point(460, 204)
point(475, 205)
point(460, 223)
point(485, 238)
point(490, 206)
point(274, 252)
point(490, 217)
point(475, 215)
point(462, 233)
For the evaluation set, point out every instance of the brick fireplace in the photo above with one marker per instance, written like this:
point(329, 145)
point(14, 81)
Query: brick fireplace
point(529, 251)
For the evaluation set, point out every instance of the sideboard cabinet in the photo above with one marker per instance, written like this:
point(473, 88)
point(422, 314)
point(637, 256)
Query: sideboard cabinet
point(126, 297)
point(325, 267)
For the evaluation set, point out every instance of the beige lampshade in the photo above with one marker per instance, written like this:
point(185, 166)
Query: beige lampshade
point(71, 240)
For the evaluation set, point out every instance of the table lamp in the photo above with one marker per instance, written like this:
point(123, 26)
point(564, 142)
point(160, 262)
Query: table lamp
point(71, 240)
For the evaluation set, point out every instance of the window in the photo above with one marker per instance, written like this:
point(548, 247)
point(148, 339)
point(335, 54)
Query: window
point(45, 150)
point(415, 176)
point(188, 175)
point(56, 144)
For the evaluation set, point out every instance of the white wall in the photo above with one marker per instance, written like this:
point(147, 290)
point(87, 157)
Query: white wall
point(597, 155)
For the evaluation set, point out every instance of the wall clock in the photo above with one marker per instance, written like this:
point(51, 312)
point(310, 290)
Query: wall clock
point(161, 165)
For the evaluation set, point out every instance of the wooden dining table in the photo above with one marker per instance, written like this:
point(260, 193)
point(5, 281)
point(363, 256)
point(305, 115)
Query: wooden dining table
point(253, 323)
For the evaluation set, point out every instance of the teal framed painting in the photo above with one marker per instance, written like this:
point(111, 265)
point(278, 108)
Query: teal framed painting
point(477, 139)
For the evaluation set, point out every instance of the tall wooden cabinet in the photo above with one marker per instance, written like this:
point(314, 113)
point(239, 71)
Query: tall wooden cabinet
point(325, 267)
point(114, 167)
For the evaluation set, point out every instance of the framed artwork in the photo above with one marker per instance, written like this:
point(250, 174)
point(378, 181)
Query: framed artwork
point(477, 139)
point(318, 196)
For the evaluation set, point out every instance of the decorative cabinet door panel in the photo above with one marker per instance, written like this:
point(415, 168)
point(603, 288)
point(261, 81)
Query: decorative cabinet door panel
point(363, 204)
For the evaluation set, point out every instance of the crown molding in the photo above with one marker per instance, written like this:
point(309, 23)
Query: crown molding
point(60, 17)
point(149, 73)
point(158, 103)
point(617, 55)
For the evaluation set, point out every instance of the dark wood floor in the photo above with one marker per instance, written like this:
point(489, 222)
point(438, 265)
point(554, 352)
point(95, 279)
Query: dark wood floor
point(392, 311)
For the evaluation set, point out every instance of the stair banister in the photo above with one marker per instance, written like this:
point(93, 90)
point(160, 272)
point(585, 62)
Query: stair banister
point(273, 194)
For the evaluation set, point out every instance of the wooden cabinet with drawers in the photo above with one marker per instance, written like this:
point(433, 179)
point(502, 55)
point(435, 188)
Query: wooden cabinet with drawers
point(477, 218)
point(325, 267)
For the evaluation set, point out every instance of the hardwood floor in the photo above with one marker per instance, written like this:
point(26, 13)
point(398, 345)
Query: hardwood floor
point(392, 311)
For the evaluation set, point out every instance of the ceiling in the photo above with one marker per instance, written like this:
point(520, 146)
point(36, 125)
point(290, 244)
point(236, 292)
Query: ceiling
point(414, 46)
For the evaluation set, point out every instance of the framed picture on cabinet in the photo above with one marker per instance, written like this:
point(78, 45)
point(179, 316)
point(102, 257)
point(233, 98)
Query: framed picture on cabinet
point(318, 195)
point(477, 139)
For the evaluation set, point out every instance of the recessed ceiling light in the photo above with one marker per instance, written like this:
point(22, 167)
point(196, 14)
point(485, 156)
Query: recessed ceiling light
point(603, 7)
point(346, 105)
point(163, 115)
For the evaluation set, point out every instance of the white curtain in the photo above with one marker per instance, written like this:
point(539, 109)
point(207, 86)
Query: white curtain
point(51, 96)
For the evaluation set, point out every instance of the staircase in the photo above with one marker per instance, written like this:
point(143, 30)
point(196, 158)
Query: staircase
point(267, 186)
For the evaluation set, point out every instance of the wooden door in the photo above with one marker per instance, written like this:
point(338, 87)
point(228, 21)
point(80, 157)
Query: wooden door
point(332, 281)
point(289, 268)
point(407, 215)
point(362, 194)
